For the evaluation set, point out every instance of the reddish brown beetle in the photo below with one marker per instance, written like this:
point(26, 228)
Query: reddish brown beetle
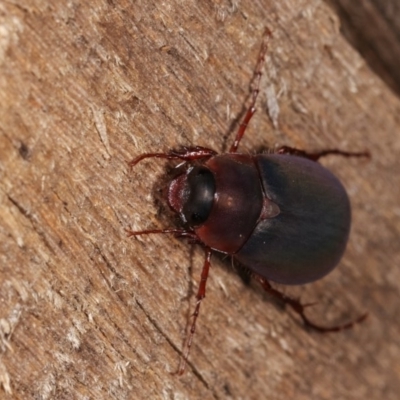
point(283, 215)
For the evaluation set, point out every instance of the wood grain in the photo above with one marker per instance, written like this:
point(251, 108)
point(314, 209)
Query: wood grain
point(88, 313)
point(373, 28)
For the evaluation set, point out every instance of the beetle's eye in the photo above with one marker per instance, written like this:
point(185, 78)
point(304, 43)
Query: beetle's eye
point(197, 218)
point(201, 187)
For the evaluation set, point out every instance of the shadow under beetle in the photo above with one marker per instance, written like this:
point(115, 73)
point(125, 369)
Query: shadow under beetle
point(282, 215)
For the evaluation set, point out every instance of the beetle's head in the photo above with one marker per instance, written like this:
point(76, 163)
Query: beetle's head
point(191, 195)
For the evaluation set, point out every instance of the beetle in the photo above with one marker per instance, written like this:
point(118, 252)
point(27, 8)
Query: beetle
point(282, 215)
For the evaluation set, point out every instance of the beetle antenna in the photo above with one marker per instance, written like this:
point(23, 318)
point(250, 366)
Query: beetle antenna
point(201, 293)
point(256, 79)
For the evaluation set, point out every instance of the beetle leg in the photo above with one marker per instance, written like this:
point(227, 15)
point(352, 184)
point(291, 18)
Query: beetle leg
point(317, 155)
point(300, 309)
point(256, 78)
point(177, 232)
point(186, 154)
point(201, 293)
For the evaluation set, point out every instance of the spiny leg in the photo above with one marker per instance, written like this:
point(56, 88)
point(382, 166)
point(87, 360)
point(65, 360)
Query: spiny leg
point(315, 156)
point(300, 309)
point(178, 232)
point(201, 293)
point(257, 79)
point(186, 154)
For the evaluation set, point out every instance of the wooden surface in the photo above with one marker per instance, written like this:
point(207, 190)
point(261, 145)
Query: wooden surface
point(87, 313)
point(373, 28)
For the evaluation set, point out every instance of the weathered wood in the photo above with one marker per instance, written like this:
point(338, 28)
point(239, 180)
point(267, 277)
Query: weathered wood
point(373, 28)
point(86, 312)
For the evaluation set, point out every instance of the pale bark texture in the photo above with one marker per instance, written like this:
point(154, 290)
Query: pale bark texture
point(87, 313)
